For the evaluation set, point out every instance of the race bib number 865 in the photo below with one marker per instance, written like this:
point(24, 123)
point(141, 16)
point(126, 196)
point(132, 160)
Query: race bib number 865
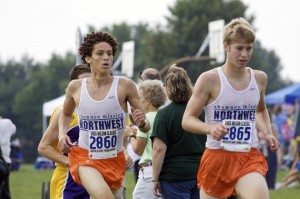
point(238, 137)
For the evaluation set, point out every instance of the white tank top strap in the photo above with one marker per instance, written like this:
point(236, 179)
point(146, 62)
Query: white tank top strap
point(223, 79)
point(115, 85)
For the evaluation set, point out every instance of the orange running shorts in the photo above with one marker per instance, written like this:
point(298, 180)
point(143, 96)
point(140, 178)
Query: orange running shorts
point(220, 170)
point(112, 169)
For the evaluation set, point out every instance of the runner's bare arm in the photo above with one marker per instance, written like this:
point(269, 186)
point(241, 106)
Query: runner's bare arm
point(50, 137)
point(200, 97)
point(136, 107)
point(262, 115)
point(66, 117)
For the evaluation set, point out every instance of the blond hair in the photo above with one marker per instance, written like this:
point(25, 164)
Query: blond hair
point(154, 91)
point(238, 29)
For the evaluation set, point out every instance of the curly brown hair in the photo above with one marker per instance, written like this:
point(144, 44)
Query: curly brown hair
point(178, 84)
point(90, 40)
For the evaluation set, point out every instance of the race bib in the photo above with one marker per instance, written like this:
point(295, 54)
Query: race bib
point(239, 136)
point(103, 143)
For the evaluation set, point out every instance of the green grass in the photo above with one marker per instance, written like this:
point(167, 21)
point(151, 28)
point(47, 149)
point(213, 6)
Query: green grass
point(27, 184)
point(130, 184)
point(285, 193)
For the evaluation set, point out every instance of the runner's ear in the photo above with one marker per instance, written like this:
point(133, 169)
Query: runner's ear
point(87, 59)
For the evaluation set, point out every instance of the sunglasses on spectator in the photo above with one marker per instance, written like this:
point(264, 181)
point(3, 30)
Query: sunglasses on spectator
point(140, 75)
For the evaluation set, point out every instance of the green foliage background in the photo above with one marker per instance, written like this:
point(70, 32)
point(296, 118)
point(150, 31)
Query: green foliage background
point(26, 84)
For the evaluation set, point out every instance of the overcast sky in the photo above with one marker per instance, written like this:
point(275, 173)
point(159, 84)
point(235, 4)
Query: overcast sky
point(40, 27)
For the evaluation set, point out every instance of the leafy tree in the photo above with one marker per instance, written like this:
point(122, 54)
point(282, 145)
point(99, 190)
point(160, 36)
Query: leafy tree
point(185, 32)
point(268, 62)
point(139, 34)
point(45, 84)
point(14, 76)
point(26, 85)
point(187, 29)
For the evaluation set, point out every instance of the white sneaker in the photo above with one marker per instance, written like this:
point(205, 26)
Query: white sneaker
point(293, 184)
point(279, 185)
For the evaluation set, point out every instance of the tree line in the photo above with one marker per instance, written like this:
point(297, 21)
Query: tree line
point(26, 84)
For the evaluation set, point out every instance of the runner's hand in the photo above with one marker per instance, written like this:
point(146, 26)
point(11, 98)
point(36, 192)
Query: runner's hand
point(218, 131)
point(64, 144)
point(273, 142)
point(138, 116)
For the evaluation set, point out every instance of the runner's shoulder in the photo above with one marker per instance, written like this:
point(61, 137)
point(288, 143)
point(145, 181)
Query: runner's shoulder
point(260, 76)
point(210, 76)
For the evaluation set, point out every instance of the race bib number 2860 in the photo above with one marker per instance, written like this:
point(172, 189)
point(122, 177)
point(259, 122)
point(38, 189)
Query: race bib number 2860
point(103, 144)
point(238, 137)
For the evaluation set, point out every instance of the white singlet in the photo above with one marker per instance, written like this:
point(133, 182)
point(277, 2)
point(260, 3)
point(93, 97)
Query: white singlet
point(239, 106)
point(101, 123)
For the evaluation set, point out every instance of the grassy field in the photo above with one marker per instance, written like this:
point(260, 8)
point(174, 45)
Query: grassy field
point(27, 184)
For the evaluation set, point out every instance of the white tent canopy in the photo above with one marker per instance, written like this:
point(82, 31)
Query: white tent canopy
point(49, 107)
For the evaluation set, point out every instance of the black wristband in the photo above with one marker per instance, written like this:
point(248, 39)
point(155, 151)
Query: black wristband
point(131, 136)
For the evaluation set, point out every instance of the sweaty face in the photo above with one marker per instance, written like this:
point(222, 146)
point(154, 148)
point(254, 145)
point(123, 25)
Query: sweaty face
point(239, 53)
point(102, 57)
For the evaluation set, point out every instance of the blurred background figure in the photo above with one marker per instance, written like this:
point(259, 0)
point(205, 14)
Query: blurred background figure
point(147, 74)
point(176, 152)
point(7, 129)
point(130, 126)
point(16, 155)
point(152, 96)
point(270, 156)
point(293, 177)
point(43, 163)
point(280, 120)
point(150, 74)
